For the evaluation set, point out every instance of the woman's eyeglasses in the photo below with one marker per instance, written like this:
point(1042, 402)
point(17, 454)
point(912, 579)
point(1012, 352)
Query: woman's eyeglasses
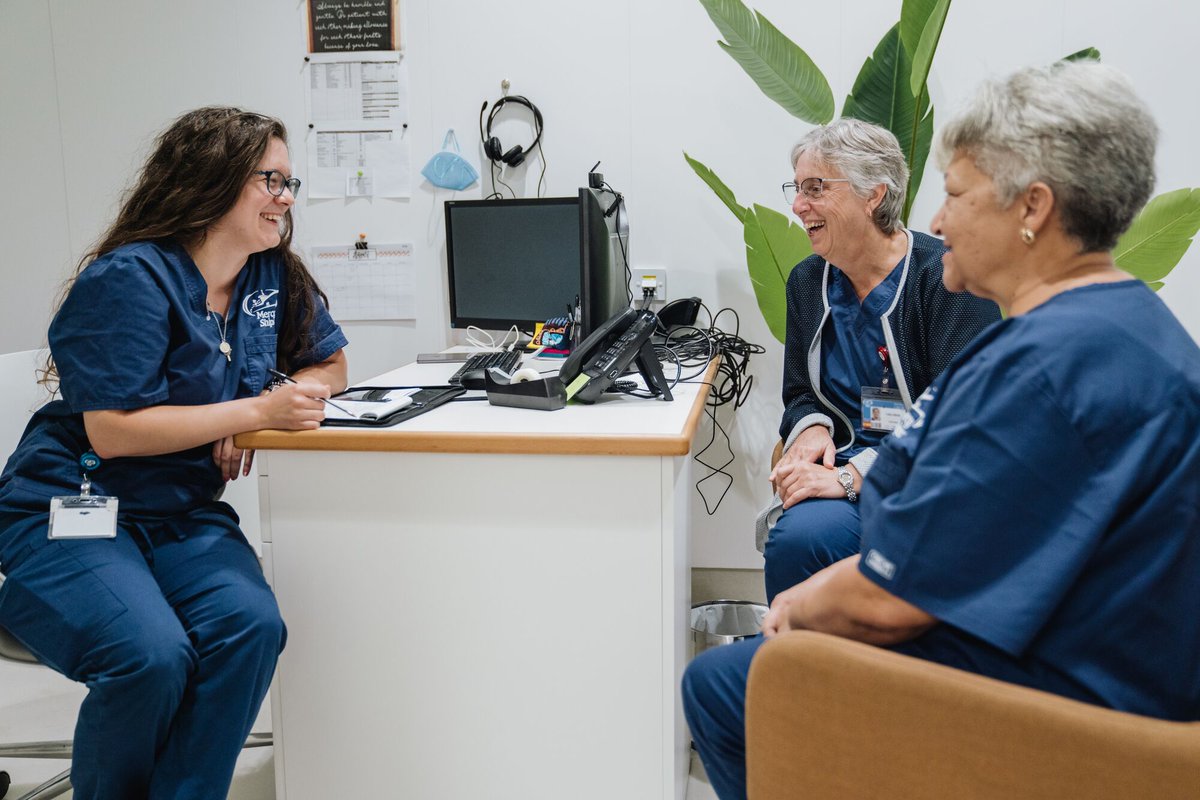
point(812, 188)
point(276, 182)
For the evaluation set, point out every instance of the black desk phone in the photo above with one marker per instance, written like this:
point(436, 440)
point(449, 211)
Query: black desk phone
point(605, 355)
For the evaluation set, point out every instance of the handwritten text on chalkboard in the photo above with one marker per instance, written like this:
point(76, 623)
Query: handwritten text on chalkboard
point(347, 26)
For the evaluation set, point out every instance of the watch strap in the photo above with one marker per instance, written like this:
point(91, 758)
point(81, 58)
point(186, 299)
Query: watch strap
point(846, 479)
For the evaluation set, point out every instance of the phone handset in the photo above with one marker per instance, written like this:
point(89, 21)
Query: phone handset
point(597, 342)
point(607, 353)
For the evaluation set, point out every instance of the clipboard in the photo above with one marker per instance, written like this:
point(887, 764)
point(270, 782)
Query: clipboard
point(424, 398)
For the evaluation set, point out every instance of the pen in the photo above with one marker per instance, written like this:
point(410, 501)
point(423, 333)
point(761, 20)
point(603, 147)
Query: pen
point(289, 379)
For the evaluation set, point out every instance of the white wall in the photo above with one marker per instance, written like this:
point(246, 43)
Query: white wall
point(83, 86)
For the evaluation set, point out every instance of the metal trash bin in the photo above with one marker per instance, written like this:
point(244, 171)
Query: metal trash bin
point(719, 622)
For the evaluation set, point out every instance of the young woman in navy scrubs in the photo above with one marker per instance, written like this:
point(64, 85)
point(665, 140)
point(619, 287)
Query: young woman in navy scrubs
point(161, 349)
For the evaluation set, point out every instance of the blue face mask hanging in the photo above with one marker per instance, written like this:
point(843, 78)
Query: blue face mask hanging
point(448, 169)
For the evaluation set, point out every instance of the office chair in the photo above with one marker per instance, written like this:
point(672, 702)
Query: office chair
point(839, 718)
point(20, 396)
point(834, 718)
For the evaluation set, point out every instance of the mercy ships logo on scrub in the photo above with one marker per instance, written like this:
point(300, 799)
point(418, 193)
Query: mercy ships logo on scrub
point(915, 418)
point(261, 303)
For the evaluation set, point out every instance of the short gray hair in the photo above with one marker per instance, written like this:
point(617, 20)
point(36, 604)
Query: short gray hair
point(1076, 126)
point(867, 155)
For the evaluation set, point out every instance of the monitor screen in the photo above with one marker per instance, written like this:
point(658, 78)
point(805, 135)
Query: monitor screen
point(512, 262)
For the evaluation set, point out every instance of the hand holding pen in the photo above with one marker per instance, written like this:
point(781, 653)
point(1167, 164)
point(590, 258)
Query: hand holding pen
point(300, 411)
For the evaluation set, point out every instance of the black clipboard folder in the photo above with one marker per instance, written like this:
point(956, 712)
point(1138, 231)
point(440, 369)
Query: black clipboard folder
point(426, 398)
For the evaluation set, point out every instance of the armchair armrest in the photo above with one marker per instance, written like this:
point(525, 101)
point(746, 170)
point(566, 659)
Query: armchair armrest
point(828, 717)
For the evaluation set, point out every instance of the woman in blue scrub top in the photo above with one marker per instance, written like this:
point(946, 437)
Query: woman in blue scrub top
point(1036, 516)
point(870, 325)
point(161, 349)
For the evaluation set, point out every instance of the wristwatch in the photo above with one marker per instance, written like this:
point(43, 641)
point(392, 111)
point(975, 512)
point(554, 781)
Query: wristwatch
point(846, 479)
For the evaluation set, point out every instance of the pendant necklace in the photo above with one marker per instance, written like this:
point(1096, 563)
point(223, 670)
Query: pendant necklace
point(224, 347)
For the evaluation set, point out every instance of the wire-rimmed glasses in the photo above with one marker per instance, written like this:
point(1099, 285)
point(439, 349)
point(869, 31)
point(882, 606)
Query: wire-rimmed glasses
point(812, 188)
point(277, 182)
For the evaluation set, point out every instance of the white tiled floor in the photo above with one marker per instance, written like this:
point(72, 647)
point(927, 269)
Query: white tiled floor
point(698, 787)
point(47, 710)
point(255, 778)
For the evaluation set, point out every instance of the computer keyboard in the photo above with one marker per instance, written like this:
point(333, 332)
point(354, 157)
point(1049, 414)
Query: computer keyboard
point(470, 374)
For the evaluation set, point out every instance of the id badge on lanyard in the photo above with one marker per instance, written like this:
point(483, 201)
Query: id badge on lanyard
point(86, 516)
point(882, 406)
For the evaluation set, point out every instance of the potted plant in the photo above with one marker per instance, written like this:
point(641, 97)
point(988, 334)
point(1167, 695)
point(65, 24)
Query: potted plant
point(891, 90)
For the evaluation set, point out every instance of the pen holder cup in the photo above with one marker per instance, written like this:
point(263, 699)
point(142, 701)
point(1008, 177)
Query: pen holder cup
point(548, 394)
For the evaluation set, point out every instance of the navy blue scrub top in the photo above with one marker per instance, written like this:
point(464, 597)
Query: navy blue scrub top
point(850, 351)
point(135, 332)
point(1042, 496)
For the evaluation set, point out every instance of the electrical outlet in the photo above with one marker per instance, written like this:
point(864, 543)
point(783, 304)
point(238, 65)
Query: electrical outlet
point(653, 278)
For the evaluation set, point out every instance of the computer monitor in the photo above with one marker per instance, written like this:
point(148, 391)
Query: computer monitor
point(523, 261)
point(605, 259)
point(512, 262)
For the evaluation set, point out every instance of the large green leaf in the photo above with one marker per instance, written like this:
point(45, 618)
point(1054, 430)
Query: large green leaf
point(1160, 235)
point(774, 244)
point(881, 96)
point(1086, 54)
point(781, 69)
point(913, 16)
point(718, 186)
point(922, 57)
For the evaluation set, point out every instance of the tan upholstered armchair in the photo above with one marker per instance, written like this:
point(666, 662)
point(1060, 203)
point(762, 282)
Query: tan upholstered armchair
point(831, 718)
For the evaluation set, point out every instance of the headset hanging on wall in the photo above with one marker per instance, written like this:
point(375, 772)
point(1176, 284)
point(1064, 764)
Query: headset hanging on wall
point(516, 155)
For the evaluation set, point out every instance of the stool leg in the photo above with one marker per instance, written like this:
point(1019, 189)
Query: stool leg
point(58, 785)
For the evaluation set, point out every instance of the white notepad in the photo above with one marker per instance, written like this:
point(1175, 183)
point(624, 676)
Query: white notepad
point(369, 405)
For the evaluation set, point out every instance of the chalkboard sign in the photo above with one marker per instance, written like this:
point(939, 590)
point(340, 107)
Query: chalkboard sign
point(349, 26)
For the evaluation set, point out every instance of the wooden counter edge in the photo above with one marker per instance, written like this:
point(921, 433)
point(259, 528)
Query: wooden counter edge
point(400, 440)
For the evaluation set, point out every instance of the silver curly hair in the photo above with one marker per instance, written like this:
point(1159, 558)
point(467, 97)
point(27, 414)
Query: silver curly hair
point(1076, 126)
point(867, 155)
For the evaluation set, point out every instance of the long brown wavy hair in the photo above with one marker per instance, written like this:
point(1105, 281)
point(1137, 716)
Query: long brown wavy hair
point(193, 177)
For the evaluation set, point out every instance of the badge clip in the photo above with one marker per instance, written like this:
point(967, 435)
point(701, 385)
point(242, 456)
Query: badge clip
point(88, 516)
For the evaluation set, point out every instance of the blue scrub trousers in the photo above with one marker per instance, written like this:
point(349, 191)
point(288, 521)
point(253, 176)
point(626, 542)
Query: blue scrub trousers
point(714, 703)
point(809, 537)
point(175, 632)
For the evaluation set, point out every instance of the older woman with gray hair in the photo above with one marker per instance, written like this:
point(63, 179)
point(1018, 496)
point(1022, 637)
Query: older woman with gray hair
point(870, 325)
point(1036, 516)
